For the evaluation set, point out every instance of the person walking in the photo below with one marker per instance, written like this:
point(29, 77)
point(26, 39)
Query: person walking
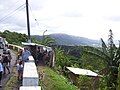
point(5, 64)
point(10, 58)
point(1, 70)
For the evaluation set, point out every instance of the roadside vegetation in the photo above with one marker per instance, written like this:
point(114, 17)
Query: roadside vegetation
point(103, 60)
point(54, 81)
point(12, 83)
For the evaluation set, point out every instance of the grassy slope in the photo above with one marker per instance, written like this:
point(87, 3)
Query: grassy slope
point(53, 81)
point(13, 82)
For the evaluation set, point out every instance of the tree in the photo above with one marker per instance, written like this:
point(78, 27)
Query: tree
point(14, 37)
point(47, 41)
point(110, 55)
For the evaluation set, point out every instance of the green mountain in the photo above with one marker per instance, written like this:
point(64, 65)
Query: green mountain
point(69, 40)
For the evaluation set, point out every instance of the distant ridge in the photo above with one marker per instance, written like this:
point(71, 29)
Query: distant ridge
point(64, 39)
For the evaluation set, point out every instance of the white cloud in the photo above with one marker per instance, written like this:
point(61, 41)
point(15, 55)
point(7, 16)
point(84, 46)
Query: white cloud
point(87, 18)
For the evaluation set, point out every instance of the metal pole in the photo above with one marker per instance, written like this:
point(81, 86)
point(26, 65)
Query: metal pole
point(43, 35)
point(28, 25)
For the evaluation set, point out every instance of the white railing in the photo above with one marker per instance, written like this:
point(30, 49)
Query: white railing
point(15, 47)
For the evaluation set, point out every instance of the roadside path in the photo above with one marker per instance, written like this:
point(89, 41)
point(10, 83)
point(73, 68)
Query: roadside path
point(6, 77)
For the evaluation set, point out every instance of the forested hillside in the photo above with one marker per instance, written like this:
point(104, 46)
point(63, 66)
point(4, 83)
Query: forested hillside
point(104, 60)
point(69, 40)
point(15, 38)
point(59, 39)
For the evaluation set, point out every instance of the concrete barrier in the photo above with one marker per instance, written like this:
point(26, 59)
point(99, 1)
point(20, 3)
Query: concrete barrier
point(30, 88)
point(31, 59)
point(30, 75)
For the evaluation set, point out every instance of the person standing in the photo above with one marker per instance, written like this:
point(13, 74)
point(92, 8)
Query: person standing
point(26, 53)
point(9, 57)
point(20, 70)
point(19, 56)
point(5, 64)
point(1, 70)
point(39, 56)
point(5, 49)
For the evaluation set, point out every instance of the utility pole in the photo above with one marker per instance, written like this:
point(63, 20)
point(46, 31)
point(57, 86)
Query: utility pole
point(28, 24)
point(43, 36)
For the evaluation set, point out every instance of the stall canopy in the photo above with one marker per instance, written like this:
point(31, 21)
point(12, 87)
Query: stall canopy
point(79, 71)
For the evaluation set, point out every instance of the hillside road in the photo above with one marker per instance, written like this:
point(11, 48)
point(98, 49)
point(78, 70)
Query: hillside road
point(7, 76)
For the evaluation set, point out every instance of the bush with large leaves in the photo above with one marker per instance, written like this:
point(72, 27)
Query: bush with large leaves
point(110, 55)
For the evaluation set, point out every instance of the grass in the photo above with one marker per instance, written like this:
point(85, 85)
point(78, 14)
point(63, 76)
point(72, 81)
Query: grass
point(54, 81)
point(12, 82)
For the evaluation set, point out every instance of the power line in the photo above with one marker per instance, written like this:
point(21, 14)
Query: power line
point(36, 19)
point(11, 13)
point(8, 15)
point(14, 3)
point(34, 16)
point(17, 2)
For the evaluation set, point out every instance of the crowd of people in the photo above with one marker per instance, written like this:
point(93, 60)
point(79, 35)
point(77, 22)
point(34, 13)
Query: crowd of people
point(5, 62)
point(42, 58)
point(21, 58)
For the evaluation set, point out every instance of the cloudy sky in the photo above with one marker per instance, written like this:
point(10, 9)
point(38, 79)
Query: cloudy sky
point(85, 18)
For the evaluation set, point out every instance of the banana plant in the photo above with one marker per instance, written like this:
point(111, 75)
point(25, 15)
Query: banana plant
point(47, 41)
point(110, 54)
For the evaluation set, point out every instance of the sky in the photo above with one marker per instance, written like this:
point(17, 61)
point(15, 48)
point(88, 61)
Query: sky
point(85, 18)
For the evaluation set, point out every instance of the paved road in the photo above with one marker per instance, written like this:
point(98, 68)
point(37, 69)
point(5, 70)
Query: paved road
point(7, 76)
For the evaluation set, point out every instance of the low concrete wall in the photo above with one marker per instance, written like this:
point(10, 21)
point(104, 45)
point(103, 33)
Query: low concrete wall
point(31, 59)
point(30, 75)
point(30, 88)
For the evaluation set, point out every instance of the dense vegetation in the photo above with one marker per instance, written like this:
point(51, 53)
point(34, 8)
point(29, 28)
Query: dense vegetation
point(14, 37)
point(53, 81)
point(103, 60)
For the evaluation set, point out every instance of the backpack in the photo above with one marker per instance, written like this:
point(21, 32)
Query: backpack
point(5, 59)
